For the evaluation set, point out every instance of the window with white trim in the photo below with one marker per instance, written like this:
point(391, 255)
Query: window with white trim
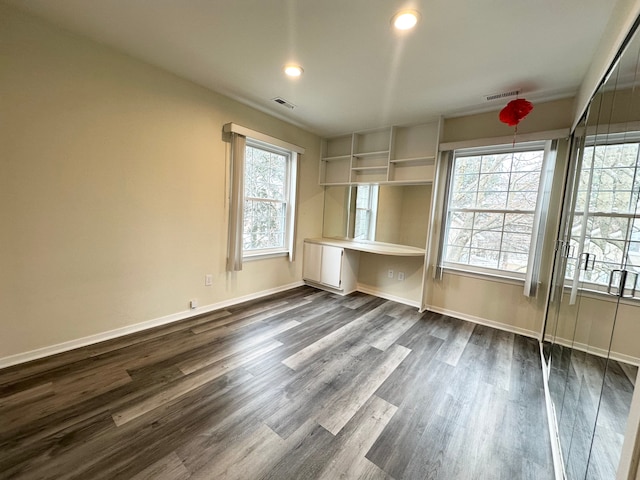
point(268, 190)
point(608, 224)
point(366, 207)
point(492, 208)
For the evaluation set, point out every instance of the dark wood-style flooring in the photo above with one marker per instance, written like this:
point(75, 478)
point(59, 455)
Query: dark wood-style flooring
point(300, 385)
point(592, 397)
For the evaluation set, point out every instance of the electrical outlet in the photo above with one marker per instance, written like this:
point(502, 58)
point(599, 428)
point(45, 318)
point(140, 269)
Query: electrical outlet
point(208, 280)
point(390, 273)
point(401, 276)
point(193, 304)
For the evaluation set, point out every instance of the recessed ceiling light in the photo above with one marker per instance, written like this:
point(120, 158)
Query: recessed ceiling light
point(293, 70)
point(405, 20)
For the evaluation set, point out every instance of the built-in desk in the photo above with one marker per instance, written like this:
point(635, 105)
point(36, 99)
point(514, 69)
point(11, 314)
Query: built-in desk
point(332, 263)
point(380, 248)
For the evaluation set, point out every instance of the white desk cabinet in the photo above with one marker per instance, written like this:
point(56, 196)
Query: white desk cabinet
point(330, 266)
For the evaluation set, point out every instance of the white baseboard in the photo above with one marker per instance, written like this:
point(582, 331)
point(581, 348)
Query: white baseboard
point(483, 321)
point(599, 352)
point(382, 294)
point(137, 327)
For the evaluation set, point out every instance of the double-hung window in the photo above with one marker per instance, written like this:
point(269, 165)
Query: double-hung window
point(606, 221)
point(491, 212)
point(268, 190)
point(365, 217)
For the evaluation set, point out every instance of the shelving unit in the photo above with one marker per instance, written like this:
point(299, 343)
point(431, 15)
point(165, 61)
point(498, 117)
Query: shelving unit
point(389, 155)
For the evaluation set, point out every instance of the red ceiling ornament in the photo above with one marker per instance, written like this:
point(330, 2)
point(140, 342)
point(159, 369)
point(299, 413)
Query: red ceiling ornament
point(514, 112)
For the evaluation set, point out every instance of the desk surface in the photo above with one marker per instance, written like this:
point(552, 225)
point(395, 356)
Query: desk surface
point(379, 248)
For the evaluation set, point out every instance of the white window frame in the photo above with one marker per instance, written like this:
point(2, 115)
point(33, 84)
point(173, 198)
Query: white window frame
point(544, 146)
point(371, 209)
point(288, 201)
point(573, 276)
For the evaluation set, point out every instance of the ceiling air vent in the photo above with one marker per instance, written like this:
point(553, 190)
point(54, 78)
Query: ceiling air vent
point(284, 103)
point(496, 96)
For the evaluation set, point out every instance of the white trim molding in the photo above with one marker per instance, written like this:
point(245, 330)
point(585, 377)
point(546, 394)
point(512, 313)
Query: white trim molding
point(262, 137)
point(483, 321)
point(522, 137)
point(598, 352)
point(380, 293)
point(138, 327)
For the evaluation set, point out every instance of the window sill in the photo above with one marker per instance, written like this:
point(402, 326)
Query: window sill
point(492, 277)
point(263, 256)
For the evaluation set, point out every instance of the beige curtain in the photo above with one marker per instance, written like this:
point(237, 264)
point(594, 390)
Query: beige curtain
point(236, 203)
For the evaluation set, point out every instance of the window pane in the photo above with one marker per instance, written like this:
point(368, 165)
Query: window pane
point(492, 200)
point(467, 165)
point(486, 239)
point(528, 162)
point(362, 224)
point(524, 181)
point(463, 200)
point(265, 174)
point(606, 250)
point(362, 196)
point(516, 242)
point(609, 227)
point(488, 221)
point(516, 262)
point(519, 223)
point(465, 183)
point(484, 258)
point(496, 163)
point(458, 237)
point(522, 200)
point(494, 182)
point(461, 220)
point(457, 254)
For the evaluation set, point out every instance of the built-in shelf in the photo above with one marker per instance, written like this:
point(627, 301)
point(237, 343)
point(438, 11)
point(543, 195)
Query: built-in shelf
point(359, 169)
point(384, 153)
point(413, 160)
point(336, 158)
point(388, 155)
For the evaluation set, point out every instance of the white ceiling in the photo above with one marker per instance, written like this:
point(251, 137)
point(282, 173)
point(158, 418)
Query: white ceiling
point(359, 73)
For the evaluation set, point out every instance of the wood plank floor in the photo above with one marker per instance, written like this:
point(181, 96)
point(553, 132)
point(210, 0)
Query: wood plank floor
point(592, 398)
point(299, 385)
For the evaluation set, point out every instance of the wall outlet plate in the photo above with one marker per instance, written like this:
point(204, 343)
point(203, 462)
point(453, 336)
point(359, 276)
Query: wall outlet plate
point(390, 273)
point(401, 276)
point(193, 304)
point(208, 280)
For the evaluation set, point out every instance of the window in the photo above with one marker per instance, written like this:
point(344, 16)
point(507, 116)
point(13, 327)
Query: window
point(268, 187)
point(492, 208)
point(607, 225)
point(366, 206)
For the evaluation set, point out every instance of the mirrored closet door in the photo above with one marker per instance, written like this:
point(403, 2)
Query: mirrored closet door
point(592, 334)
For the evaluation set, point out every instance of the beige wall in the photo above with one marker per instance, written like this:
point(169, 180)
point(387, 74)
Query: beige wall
point(112, 190)
point(336, 209)
point(590, 322)
point(373, 278)
point(544, 116)
point(494, 302)
point(388, 215)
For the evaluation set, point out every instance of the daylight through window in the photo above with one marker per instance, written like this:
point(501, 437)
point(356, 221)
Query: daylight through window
point(610, 179)
point(266, 199)
point(492, 205)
